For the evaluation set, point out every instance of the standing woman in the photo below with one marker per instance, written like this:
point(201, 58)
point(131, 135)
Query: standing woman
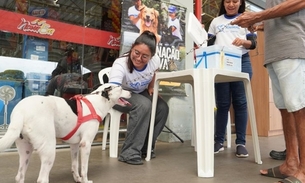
point(223, 33)
point(135, 71)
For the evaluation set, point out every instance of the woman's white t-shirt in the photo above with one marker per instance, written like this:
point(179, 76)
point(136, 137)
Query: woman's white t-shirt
point(138, 80)
point(227, 33)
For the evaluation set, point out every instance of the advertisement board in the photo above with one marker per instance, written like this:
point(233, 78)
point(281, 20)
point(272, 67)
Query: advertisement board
point(167, 21)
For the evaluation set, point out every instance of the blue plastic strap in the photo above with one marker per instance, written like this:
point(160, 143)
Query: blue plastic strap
point(205, 56)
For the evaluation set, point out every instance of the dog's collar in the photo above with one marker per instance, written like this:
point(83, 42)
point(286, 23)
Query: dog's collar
point(80, 118)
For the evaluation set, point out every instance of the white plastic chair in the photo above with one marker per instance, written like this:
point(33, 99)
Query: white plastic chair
point(115, 117)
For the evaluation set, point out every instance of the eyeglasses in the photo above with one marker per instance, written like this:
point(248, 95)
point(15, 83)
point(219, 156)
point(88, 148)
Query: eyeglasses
point(138, 54)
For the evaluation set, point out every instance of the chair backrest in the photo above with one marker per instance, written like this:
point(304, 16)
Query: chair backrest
point(103, 75)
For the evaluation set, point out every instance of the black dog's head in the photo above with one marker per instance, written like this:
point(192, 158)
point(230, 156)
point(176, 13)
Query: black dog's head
point(167, 36)
point(105, 92)
point(113, 92)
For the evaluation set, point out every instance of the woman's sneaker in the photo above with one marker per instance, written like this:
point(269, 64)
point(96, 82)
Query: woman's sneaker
point(241, 151)
point(218, 147)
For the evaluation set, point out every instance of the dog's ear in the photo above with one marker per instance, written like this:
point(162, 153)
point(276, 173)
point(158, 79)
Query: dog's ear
point(142, 7)
point(156, 12)
point(141, 11)
point(105, 92)
point(156, 22)
point(96, 87)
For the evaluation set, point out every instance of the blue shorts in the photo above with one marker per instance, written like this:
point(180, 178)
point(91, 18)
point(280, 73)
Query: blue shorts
point(288, 83)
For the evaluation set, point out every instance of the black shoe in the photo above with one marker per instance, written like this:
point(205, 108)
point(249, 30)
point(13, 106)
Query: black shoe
point(152, 156)
point(133, 161)
point(278, 155)
point(241, 151)
point(218, 147)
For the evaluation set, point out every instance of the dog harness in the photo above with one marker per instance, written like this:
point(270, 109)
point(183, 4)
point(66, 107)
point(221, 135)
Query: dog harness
point(80, 118)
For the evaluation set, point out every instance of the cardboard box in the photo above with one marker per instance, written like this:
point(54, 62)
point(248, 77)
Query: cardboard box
point(36, 83)
point(38, 76)
point(35, 87)
point(221, 57)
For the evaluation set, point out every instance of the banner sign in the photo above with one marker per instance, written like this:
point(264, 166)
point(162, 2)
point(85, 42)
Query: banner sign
point(167, 22)
point(49, 29)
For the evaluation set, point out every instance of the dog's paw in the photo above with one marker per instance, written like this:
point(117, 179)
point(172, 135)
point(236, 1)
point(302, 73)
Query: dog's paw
point(77, 179)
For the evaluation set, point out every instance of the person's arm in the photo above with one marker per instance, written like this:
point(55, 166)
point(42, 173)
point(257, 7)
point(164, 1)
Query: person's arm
point(249, 43)
point(242, 42)
point(287, 7)
point(211, 39)
point(134, 19)
point(60, 68)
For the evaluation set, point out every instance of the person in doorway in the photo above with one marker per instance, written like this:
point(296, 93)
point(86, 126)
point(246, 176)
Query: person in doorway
point(70, 63)
point(134, 11)
point(224, 34)
point(135, 71)
point(283, 25)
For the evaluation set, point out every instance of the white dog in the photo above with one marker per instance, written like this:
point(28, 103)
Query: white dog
point(36, 121)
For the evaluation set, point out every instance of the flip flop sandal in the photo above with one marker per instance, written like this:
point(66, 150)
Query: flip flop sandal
point(290, 180)
point(275, 173)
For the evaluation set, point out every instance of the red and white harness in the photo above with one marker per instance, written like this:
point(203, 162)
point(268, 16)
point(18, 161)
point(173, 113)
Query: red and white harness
point(80, 118)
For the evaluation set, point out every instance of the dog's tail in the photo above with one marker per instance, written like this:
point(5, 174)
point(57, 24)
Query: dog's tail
point(13, 132)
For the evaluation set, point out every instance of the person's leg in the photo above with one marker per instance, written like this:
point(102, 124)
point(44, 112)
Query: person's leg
point(160, 120)
point(288, 78)
point(223, 102)
point(239, 103)
point(299, 117)
point(139, 116)
point(290, 165)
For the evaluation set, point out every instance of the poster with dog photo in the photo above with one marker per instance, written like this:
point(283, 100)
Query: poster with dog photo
point(167, 22)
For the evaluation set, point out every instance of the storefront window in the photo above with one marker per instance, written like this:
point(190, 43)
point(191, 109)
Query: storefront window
point(38, 36)
point(77, 16)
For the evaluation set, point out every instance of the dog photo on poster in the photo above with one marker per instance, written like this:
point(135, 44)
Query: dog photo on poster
point(167, 22)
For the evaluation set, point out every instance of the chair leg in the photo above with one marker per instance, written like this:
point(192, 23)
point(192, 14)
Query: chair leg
point(105, 131)
point(193, 138)
point(114, 133)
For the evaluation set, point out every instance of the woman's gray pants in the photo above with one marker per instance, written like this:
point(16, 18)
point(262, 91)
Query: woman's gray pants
point(139, 119)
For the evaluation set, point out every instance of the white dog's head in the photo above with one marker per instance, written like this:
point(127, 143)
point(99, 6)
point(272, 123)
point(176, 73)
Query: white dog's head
point(114, 93)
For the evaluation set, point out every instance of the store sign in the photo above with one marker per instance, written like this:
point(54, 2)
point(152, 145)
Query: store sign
point(37, 26)
point(114, 41)
point(50, 29)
